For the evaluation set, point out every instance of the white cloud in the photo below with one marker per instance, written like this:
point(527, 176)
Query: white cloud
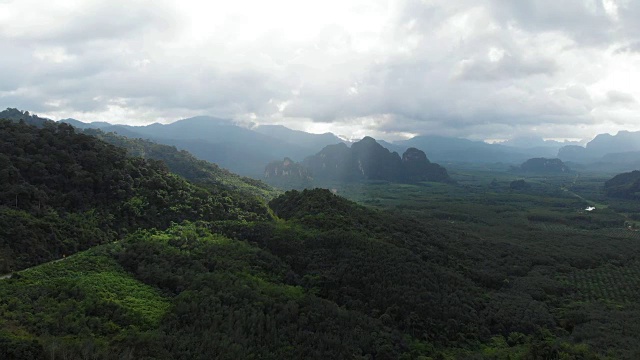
point(478, 69)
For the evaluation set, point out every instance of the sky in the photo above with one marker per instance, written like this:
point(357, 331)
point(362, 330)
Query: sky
point(478, 69)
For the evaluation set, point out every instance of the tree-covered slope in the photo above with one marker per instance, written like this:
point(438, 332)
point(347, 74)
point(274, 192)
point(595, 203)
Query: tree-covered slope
point(179, 162)
point(63, 192)
point(284, 292)
point(186, 165)
point(16, 115)
point(625, 185)
point(185, 294)
point(73, 308)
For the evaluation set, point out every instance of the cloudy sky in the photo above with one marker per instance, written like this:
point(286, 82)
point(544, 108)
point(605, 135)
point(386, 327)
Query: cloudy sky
point(480, 69)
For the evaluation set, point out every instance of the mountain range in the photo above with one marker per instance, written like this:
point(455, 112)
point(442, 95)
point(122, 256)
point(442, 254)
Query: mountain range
point(620, 152)
point(246, 150)
point(233, 147)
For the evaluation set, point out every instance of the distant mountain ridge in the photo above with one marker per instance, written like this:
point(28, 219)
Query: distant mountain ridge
point(218, 145)
point(246, 150)
point(605, 146)
point(220, 141)
point(239, 149)
point(442, 148)
point(623, 141)
point(531, 142)
point(297, 137)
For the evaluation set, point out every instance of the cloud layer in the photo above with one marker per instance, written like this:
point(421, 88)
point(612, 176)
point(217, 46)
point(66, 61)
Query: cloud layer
point(478, 69)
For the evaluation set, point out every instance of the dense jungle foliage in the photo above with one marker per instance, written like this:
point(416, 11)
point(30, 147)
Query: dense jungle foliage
point(63, 192)
point(626, 185)
point(151, 266)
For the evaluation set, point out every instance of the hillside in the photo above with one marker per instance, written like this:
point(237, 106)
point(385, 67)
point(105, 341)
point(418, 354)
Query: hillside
point(64, 192)
point(442, 148)
point(180, 162)
point(186, 165)
point(330, 279)
point(16, 115)
point(626, 186)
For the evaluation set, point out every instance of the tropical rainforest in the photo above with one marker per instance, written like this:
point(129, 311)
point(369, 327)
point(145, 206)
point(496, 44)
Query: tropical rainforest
point(121, 248)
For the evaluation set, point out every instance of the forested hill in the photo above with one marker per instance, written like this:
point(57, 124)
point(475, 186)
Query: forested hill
point(64, 192)
point(625, 185)
point(16, 115)
point(179, 162)
point(186, 165)
point(329, 279)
